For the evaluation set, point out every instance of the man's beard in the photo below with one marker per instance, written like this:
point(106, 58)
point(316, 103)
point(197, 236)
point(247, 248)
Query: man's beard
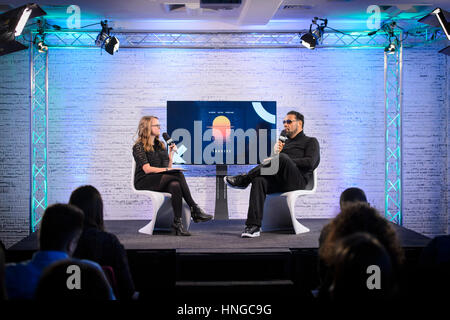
point(290, 133)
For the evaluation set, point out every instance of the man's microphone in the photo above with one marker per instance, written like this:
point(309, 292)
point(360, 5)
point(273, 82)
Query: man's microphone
point(169, 141)
point(282, 138)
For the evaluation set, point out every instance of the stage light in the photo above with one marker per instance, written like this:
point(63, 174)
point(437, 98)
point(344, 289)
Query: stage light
point(22, 21)
point(12, 24)
point(42, 48)
point(314, 36)
point(391, 48)
point(394, 42)
point(38, 40)
point(308, 41)
point(111, 44)
point(436, 18)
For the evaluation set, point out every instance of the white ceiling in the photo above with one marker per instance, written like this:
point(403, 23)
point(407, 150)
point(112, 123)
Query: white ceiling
point(270, 15)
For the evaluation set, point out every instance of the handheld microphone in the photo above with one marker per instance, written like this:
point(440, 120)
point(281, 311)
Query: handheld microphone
point(169, 141)
point(282, 136)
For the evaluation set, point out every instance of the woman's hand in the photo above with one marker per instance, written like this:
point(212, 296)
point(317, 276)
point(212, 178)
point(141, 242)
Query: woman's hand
point(172, 148)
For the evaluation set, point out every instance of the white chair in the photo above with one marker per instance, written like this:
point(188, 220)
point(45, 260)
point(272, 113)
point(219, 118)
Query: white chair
point(279, 210)
point(162, 209)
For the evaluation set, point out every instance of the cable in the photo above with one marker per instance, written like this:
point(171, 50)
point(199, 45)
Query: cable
point(89, 25)
point(348, 34)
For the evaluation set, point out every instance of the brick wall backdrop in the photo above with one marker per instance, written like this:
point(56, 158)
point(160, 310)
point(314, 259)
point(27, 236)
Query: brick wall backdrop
point(447, 141)
point(14, 147)
point(96, 101)
point(425, 133)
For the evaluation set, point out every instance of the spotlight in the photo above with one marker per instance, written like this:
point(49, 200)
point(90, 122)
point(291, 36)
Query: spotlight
point(394, 42)
point(42, 48)
point(12, 23)
point(390, 49)
point(442, 18)
point(111, 44)
point(39, 38)
point(310, 39)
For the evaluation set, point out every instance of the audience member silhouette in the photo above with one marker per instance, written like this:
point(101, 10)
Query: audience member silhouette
point(72, 280)
point(348, 196)
point(58, 235)
point(354, 218)
point(59, 232)
point(98, 245)
point(360, 272)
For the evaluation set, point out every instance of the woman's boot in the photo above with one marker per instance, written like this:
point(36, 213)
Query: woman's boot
point(178, 227)
point(198, 215)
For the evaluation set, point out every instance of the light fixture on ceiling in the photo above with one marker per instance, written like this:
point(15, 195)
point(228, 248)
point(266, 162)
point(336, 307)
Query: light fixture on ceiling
point(12, 24)
point(40, 37)
point(436, 18)
point(394, 42)
point(389, 29)
point(441, 17)
point(104, 40)
point(41, 46)
point(315, 34)
point(392, 46)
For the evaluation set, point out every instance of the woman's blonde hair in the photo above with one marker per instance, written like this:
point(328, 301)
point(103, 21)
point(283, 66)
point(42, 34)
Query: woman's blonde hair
point(143, 134)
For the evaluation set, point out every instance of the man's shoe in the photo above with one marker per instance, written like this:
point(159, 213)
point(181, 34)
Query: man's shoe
point(240, 181)
point(198, 215)
point(251, 232)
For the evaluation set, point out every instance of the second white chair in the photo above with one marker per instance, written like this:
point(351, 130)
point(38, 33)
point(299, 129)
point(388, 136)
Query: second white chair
point(279, 210)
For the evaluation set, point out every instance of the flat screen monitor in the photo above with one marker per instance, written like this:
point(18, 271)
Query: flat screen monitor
point(222, 132)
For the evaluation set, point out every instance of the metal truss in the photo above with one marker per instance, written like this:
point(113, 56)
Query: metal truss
point(393, 135)
point(230, 40)
point(38, 134)
point(226, 40)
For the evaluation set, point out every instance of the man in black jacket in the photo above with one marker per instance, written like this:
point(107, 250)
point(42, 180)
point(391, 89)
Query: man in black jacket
point(297, 158)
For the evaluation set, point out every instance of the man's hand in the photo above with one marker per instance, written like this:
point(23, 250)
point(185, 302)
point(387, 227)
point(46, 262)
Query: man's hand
point(278, 147)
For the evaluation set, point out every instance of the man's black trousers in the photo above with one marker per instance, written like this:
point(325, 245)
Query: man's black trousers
point(287, 178)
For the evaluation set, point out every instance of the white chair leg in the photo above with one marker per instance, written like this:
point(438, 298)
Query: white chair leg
point(161, 219)
point(279, 214)
point(148, 228)
point(276, 217)
point(298, 227)
point(163, 215)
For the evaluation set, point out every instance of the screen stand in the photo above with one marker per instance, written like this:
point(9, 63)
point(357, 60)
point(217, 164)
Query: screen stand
point(221, 210)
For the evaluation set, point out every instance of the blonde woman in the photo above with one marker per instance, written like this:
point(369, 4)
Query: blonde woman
point(154, 172)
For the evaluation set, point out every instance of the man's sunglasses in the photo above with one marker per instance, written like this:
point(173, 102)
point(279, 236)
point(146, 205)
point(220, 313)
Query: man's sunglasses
point(288, 121)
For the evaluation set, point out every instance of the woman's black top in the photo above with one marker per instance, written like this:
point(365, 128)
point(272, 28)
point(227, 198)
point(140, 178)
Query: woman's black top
point(157, 158)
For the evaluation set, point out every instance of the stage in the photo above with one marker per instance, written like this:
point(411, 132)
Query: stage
point(221, 235)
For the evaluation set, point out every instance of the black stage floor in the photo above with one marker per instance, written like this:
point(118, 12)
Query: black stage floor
point(222, 235)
